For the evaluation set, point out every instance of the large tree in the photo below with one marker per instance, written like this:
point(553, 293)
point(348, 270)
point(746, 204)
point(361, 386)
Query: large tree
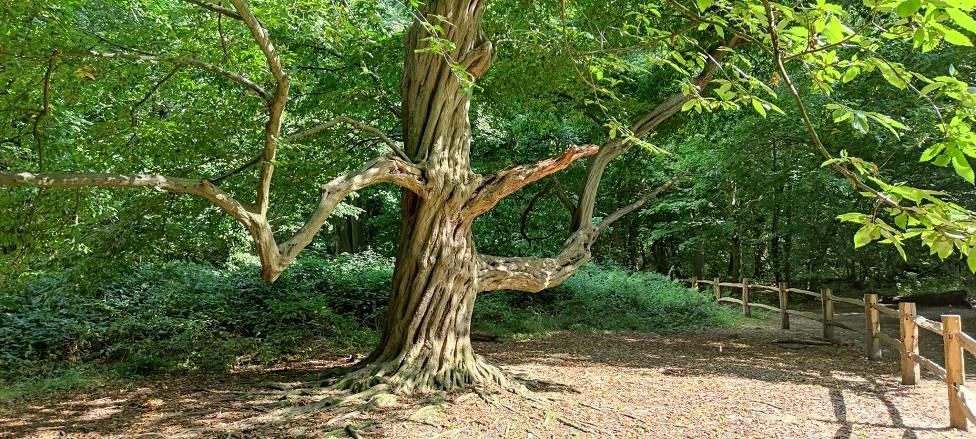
point(439, 272)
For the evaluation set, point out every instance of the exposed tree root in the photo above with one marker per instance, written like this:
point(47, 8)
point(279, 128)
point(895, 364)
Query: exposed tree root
point(405, 380)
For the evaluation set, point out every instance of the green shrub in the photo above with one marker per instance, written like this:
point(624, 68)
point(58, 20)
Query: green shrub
point(603, 299)
point(180, 315)
point(154, 318)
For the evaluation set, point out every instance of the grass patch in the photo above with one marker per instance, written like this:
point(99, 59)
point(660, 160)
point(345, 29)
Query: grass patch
point(72, 378)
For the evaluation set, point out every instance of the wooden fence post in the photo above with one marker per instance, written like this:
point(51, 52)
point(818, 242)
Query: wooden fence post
point(694, 282)
point(955, 368)
point(784, 304)
point(746, 311)
point(827, 305)
point(872, 323)
point(717, 288)
point(910, 370)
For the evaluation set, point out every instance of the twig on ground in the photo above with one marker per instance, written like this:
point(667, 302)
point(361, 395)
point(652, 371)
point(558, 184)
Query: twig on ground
point(352, 432)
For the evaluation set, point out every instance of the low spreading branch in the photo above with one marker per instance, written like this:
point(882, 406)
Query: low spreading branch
point(387, 169)
point(503, 183)
point(376, 132)
point(202, 188)
point(274, 258)
point(534, 274)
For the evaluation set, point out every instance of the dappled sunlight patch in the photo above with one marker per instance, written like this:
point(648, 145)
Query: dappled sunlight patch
point(623, 385)
point(102, 412)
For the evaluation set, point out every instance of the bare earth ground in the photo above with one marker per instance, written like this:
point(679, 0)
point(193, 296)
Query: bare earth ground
point(722, 383)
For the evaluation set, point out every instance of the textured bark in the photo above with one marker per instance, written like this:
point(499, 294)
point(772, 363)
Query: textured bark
point(426, 339)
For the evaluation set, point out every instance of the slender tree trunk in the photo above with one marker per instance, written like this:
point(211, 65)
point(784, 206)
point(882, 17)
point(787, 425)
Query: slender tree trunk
point(698, 261)
point(735, 246)
point(349, 233)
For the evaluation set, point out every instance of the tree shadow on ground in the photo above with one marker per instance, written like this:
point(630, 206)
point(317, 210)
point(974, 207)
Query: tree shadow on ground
point(749, 354)
point(581, 372)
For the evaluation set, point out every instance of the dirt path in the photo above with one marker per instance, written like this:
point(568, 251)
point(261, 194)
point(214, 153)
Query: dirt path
point(724, 383)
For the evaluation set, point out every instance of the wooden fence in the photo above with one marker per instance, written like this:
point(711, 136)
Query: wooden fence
point(962, 401)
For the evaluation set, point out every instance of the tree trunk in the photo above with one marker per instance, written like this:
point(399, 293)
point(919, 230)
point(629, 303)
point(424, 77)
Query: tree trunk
point(349, 233)
point(426, 339)
point(698, 260)
point(735, 258)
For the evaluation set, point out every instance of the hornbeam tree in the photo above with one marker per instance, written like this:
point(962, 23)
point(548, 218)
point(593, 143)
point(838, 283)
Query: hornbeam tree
point(439, 271)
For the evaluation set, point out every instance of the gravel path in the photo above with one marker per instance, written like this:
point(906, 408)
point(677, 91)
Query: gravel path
point(747, 382)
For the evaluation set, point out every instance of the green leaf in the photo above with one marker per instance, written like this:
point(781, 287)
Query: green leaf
point(890, 74)
point(954, 37)
point(863, 235)
point(972, 260)
point(853, 217)
point(962, 19)
point(908, 8)
point(901, 220)
point(931, 87)
point(704, 4)
point(833, 32)
point(900, 248)
point(962, 167)
point(757, 104)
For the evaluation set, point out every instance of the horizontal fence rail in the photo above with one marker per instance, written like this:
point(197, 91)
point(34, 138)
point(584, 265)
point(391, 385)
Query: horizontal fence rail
point(962, 401)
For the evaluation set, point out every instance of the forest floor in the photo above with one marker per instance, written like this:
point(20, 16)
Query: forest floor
point(749, 381)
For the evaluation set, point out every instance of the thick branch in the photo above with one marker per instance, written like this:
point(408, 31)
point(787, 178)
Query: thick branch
point(274, 258)
point(533, 274)
point(503, 183)
point(276, 106)
point(376, 132)
point(385, 169)
point(250, 85)
point(260, 35)
point(202, 188)
point(79, 180)
point(642, 128)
